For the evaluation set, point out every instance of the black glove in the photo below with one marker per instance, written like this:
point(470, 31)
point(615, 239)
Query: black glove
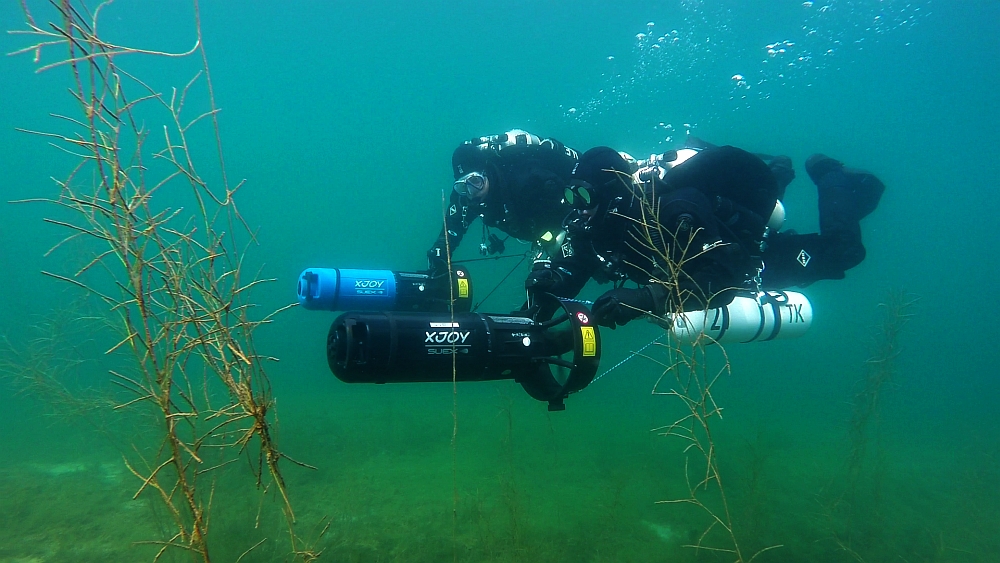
point(545, 280)
point(619, 306)
point(436, 265)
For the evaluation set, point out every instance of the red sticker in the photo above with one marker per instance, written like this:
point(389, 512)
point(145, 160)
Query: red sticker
point(583, 318)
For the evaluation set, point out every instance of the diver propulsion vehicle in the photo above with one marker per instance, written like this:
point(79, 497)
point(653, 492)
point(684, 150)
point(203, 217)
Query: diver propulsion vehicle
point(403, 332)
point(550, 357)
point(757, 318)
point(340, 289)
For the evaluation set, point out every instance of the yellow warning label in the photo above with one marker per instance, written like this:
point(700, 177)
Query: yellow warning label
point(463, 288)
point(589, 341)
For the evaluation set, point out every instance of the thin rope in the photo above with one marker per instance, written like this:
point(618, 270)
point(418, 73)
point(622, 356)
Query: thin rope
point(497, 286)
point(467, 260)
point(454, 387)
point(634, 354)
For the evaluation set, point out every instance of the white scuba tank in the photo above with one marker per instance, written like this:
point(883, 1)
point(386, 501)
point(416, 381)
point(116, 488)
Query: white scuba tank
point(777, 314)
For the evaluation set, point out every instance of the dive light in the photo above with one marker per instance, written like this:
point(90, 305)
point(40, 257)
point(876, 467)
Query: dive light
point(551, 357)
point(339, 289)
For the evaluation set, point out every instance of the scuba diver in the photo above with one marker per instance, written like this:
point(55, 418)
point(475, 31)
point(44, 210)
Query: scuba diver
point(696, 226)
point(515, 182)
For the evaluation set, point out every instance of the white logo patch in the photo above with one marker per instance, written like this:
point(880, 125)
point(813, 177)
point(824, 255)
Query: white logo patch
point(567, 250)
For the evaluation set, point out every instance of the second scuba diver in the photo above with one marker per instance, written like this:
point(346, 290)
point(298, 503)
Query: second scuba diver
point(514, 182)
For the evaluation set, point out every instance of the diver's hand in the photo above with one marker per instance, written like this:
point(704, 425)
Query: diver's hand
point(619, 306)
point(436, 265)
point(544, 279)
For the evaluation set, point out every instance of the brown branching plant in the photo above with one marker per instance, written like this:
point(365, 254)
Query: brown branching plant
point(173, 278)
point(855, 510)
point(690, 372)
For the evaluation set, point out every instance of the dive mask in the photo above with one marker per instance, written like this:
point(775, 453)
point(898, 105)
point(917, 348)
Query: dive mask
point(471, 185)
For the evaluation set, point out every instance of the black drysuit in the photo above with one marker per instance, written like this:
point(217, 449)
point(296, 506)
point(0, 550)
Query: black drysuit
point(707, 214)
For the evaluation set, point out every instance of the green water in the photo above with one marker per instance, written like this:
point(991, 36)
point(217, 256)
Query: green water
point(342, 118)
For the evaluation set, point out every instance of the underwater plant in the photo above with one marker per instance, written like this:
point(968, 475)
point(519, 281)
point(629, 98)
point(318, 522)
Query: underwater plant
point(690, 372)
point(44, 368)
point(171, 277)
point(855, 510)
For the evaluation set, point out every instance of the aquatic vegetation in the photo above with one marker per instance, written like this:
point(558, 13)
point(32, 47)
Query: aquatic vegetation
point(171, 279)
point(46, 368)
point(391, 480)
point(857, 513)
point(690, 372)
